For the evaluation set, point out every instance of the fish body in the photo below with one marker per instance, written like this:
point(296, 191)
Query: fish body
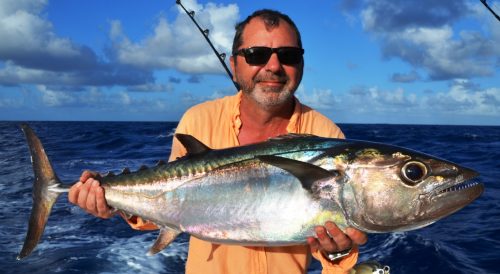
point(230, 195)
point(273, 193)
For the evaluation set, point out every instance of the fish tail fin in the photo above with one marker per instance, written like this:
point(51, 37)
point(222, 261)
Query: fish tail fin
point(45, 192)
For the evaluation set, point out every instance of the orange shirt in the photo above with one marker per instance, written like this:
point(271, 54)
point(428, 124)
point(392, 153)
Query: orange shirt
point(216, 124)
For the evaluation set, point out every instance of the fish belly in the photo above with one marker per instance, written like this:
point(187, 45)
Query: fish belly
point(256, 204)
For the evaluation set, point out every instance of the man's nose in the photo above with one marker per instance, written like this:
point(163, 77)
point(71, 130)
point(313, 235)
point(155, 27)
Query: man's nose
point(273, 64)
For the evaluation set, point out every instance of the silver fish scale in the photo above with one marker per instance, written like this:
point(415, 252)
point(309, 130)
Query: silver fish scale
point(246, 202)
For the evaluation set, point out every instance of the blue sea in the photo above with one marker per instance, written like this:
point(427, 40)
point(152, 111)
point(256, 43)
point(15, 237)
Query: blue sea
point(75, 242)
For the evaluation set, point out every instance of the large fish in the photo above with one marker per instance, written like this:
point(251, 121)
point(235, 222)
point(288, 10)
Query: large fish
point(273, 193)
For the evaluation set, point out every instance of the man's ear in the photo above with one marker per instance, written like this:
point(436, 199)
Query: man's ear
point(232, 61)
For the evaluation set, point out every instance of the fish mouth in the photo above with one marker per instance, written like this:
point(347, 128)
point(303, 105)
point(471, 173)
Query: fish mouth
point(450, 198)
point(469, 185)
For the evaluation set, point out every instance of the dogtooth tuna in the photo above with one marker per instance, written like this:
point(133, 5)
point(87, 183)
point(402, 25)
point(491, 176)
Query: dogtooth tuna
point(272, 193)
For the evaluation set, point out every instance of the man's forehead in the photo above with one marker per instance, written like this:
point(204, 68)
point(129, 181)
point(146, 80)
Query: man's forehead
point(270, 25)
point(258, 24)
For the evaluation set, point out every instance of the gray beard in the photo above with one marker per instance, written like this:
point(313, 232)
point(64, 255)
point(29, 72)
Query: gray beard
point(268, 97)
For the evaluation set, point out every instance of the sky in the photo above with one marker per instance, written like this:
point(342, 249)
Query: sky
point(366, 61)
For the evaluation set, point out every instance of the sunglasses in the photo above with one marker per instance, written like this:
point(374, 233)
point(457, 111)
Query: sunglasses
point(256, 56)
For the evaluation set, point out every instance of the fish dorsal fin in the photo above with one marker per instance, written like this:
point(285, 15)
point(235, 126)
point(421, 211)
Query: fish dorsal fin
point(167, 235)
point(290, 136)
point(192, 145)
point(307, 173)
point(161, 163)
point(109, 174)
point(143, 167)
point(125, 171)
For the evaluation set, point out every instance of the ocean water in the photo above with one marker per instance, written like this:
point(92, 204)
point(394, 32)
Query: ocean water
point(75, 242)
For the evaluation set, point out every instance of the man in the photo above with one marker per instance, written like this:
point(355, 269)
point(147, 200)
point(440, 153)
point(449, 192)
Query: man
point(268, 65)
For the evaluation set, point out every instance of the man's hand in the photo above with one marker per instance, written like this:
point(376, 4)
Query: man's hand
point(89, 195)
point(331, 239)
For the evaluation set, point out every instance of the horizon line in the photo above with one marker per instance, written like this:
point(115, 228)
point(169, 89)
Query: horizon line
point(157, 121)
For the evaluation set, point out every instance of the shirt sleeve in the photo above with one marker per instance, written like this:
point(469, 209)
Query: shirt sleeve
point(177, 150)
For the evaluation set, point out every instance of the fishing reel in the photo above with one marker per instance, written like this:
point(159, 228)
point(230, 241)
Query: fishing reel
point(370, 267)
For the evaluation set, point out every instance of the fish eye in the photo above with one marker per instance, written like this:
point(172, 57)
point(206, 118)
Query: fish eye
point(413, 172)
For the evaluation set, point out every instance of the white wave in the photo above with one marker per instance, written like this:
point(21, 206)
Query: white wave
point(83, 162)
point(384, 250)
point(169, 134)
point(129, 255)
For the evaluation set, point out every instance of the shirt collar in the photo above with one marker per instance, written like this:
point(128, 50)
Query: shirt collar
point(293, 124)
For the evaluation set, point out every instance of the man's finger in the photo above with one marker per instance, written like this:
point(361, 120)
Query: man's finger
point(326, 243)
point(82, 195)
point(313, 244)
point(87, 174)
point(102, 207)
point(341, 240)
point(358, 237)
point(73, 193)
point(90, 203)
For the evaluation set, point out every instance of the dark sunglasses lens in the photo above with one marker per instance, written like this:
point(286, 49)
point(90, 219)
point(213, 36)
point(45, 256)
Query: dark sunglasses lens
point(258, 56)
point(290, 56)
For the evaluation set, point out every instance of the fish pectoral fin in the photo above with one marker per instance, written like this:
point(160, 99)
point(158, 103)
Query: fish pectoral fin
point(167, 235)
point(307, 173)
point(192, 145)
point(125, 214)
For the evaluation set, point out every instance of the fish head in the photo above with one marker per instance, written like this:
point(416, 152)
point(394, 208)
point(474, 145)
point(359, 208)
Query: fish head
point(388, 188)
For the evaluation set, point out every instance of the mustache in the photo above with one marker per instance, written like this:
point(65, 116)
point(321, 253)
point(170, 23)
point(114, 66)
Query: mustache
point(271, 77)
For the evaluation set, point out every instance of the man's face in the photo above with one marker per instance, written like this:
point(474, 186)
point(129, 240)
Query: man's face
point(273, 83)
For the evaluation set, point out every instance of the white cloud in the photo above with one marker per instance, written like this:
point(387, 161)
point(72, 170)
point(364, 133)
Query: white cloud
point(425, 34)
point(151, 87)
point(11, 102)
point(102, 75)
point(54, 98)
point(29, 40)
point(32, 53)
point(373, 99)
point(319, 98)
point(94, 99)
point(461, 99)
point(11, 6)
point(179, 44)
point(189, 98)
point(394, 15)
point(125, 98)
point(405, 78)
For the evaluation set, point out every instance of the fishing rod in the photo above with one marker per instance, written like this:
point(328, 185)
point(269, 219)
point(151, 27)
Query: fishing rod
point(490, 9)
point(204, 32)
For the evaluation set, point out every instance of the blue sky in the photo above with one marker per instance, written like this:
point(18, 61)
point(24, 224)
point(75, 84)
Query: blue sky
point(366, 61)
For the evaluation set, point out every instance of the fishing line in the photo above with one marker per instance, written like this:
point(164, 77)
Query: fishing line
point(490, 9)
point(204, 32)
point(495, 6)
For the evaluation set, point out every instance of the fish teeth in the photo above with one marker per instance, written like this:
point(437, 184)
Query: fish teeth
point(459, 187)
